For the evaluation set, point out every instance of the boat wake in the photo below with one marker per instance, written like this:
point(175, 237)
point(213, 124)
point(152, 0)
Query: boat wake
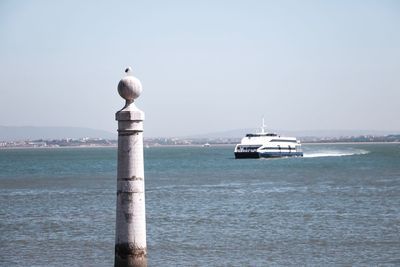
point(333, 153)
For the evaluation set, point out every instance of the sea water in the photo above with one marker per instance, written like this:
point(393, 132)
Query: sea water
point(338, 205)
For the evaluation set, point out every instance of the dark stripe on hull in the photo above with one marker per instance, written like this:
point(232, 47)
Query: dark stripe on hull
point(280, 154)
point(247, 155)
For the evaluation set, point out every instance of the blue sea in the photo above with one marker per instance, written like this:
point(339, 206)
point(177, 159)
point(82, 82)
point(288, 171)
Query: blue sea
point(337, 206)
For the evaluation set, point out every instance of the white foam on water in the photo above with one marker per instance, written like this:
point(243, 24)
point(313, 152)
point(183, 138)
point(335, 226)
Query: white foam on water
point(334, 153)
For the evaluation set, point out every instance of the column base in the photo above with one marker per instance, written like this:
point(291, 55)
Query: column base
point(127, 255)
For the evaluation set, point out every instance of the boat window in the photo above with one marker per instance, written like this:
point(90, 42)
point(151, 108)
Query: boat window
point(283, 140)
point(258, 135)
point(275, 148)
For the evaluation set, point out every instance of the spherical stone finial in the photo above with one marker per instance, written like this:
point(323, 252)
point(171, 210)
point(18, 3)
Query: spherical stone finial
point(129, 87)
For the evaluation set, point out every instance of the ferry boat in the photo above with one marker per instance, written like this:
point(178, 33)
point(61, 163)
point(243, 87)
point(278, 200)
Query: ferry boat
point(267, 145)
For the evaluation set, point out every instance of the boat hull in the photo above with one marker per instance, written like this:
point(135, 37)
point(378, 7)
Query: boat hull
point(256, 155)
point(247, 155)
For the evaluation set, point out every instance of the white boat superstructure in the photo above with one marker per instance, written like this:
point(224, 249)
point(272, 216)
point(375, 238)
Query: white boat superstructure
point(267, 145)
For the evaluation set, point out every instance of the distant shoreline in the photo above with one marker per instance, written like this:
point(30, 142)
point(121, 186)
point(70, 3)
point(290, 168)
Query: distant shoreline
point(192, 145)
point(350, 143)
point(53, 147)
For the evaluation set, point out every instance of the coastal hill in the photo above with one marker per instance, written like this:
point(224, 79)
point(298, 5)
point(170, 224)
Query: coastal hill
point(239, 133)
point(14, 133)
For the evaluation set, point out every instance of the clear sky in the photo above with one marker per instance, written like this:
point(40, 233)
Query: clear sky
point(205, 66)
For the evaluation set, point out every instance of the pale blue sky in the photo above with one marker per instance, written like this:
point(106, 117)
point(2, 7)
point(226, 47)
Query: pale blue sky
point(205, 66)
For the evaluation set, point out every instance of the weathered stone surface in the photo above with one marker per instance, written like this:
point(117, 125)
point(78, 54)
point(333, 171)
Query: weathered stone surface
point(130, 241)
point(128, 255)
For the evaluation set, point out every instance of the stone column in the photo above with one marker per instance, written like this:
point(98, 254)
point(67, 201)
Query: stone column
point(130, 232)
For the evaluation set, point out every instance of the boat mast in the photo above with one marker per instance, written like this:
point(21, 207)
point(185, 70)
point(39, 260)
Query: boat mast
point(263, 126)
